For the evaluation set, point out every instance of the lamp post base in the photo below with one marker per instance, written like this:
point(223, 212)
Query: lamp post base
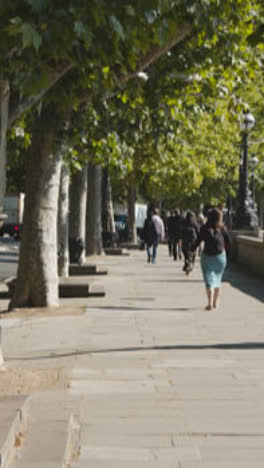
point(246, 220)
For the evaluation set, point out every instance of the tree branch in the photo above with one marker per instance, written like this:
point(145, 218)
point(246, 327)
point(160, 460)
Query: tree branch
point(150, 58)
point(28, 102)
point(156, 53)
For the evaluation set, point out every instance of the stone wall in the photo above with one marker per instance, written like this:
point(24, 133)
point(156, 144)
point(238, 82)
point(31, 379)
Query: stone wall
point(248, 251)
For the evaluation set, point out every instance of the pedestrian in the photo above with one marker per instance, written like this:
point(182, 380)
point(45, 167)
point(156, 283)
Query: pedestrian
point(213, 257)
point(150, 236)
point(160, 229)
point(168, 231)
point(189, 236)
point(174, 226)
point(200, 222)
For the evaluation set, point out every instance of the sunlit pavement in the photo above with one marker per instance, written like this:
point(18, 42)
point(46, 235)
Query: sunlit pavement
point(157, 380)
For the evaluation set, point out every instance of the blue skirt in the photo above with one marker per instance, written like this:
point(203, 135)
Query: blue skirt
point(213, 267)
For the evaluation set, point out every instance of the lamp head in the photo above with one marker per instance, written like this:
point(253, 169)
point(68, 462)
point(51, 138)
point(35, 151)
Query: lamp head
point(248, 121)
point(254, 160)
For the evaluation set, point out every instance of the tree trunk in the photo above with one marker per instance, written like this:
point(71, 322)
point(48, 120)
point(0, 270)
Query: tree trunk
point(94, 245)
point(131, 199)
point(37, 278)
point(77, 214)
point(63, 225)
point(4, 102)
point(108, 222)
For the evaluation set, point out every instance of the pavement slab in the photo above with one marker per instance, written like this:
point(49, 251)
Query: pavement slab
point(13, 421)
point(157, 381)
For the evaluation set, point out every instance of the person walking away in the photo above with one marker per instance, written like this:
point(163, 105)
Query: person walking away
point(169, 231)
point(189, 236)
point(175, 224)
point(149, 235)
point(160, 229)
point(213, 257)
point(200, 223)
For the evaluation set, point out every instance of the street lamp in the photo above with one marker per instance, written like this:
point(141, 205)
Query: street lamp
point(246, 217)
point(253, 164)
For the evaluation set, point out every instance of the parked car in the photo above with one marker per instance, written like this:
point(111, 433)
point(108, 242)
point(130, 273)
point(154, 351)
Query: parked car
point(121, 226)
point(13, 207)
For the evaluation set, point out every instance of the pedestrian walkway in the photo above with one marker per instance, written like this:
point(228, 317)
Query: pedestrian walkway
point(155, 379)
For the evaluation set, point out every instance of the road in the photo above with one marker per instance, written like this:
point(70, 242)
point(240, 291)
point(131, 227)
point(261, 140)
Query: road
point(8, 257)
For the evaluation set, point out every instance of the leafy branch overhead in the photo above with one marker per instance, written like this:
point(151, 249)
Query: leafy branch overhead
point(197, 58)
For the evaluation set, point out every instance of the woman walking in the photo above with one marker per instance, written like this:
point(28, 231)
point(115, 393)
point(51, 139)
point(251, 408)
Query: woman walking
point(213, 257)
point(150, 237)
point(189, 236)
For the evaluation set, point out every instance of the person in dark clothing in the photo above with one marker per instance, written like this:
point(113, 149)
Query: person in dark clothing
point(174, 229)
point(213, 258)
point(150, 237)
point(189, 236)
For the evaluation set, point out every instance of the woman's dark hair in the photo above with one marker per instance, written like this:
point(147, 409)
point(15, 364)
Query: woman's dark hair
point(214, 218)
point(190, 218)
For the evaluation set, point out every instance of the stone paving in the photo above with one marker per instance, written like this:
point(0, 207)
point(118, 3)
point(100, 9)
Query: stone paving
point(157, 380)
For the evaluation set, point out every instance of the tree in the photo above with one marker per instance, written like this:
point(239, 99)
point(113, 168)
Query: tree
point(37, 280)
point(77, 214)
point(63, 222)
point(94, 241)
point(128, 40)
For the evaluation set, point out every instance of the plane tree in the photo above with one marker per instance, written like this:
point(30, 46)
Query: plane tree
point(98, 49)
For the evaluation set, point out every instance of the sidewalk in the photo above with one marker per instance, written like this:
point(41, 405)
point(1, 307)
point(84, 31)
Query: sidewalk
point(157, 381)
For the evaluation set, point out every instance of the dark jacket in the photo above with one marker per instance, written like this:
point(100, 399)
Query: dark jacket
point(215, 240)
point(149, 234)
point(189, 235)
point(174, 226)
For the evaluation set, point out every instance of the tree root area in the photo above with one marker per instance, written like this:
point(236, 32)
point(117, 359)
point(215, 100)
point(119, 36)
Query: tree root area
point(15, 381)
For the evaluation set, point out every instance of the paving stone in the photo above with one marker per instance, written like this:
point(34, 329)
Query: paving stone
point(48, 440)
point(110, 453)
point(155, 375)
point(125, 464)
point(13, 420)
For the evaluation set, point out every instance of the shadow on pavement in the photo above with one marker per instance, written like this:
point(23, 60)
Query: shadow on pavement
point(228, 346)
point(8, 254)
point(240, 278)
point(169, 309)
point(7, 260)
point(174, 281)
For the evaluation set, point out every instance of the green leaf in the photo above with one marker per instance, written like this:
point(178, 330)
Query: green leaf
point(16, 20)
point(130, 10)
point(117, 26)
point(36, 5)
point(82, 31)
point(30, 36)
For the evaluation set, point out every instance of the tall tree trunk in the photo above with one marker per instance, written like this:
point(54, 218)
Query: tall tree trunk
point(4, 102)
point(108, 222)
point(94, 245)
point(77, 214)
point(63, 224)
point(131, 199)
point(37, 278)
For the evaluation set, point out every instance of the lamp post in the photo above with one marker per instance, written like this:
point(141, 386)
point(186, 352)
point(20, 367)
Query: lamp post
point(246, 217)
point(253, 164)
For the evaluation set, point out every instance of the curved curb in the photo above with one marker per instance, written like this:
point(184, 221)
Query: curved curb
point(18, 427)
